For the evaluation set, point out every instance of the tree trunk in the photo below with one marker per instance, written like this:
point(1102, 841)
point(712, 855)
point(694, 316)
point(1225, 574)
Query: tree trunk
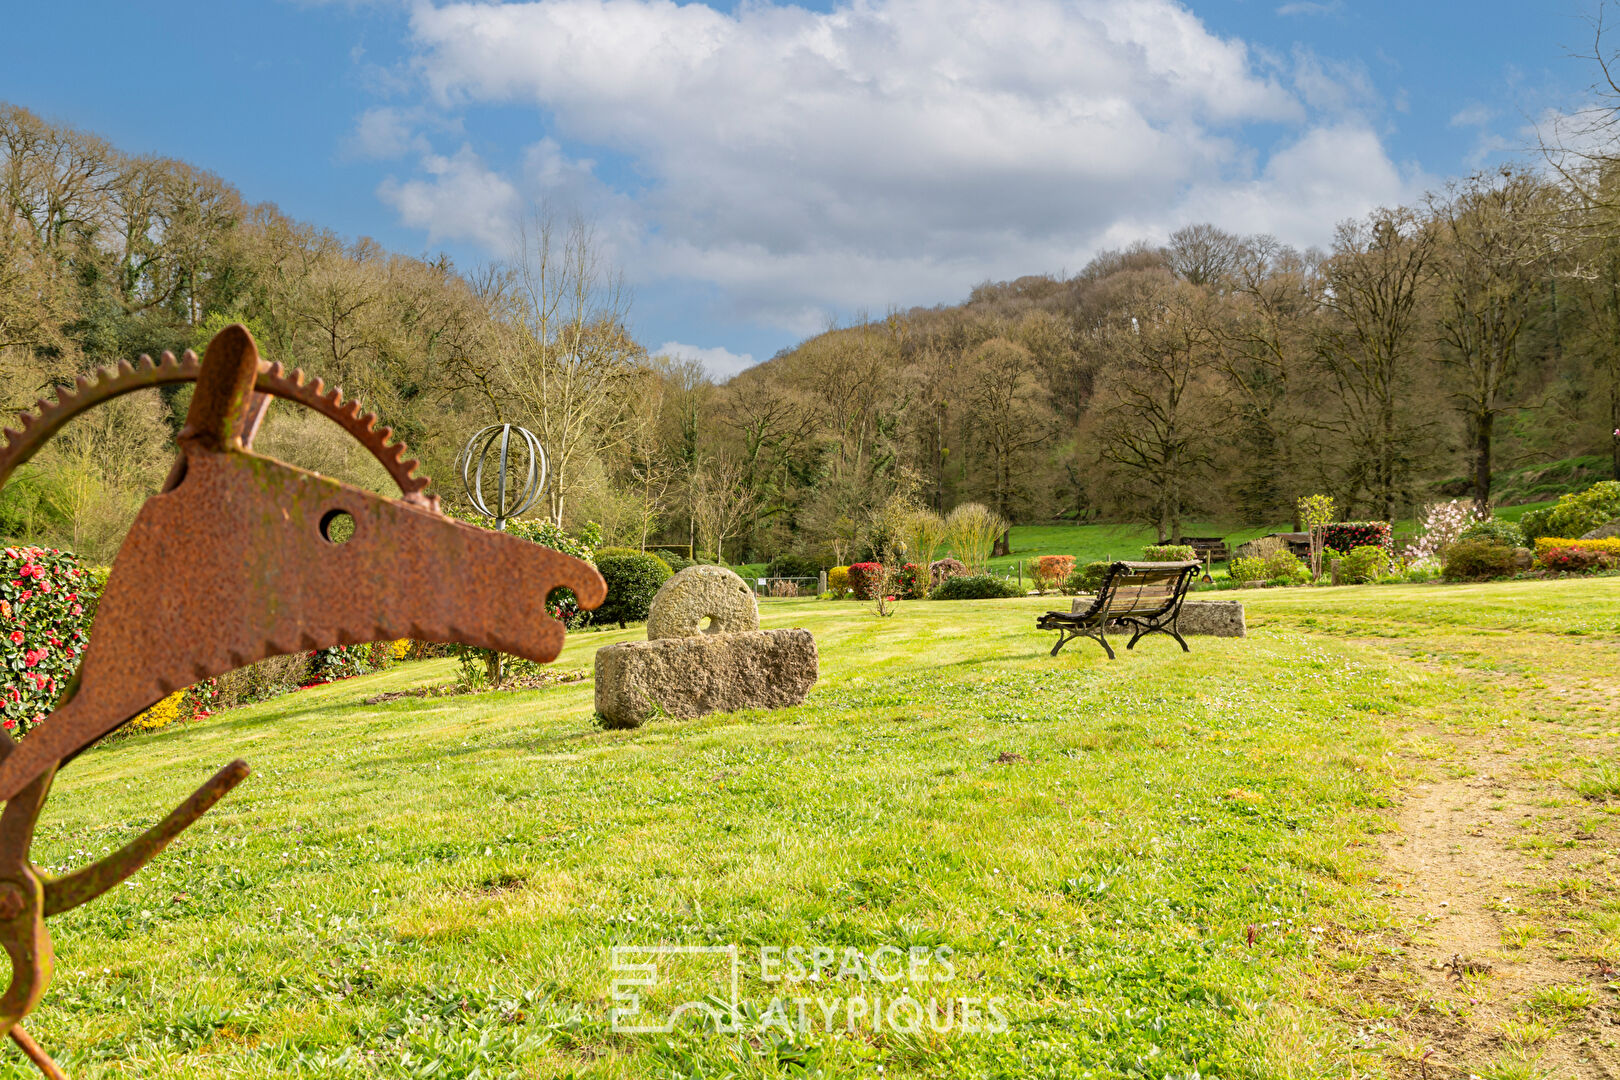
point(1484, 424)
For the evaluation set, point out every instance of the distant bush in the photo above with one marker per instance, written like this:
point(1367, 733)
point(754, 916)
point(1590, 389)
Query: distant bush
point(1168, 553)
point(793, 566)
point(674, 560)
point(1087, 579)
point(1609, 546)
point(1477, 560)
point(1364, 564)
point(1285, 567)
point(605, 551)
point(1533, 523)
point(863, 577)
point(632, 580)
point(1051, 570)
point(944, 569)
point(1262, 547)
point(1576, 560)
point(1247, 568)
point(1584, 511)
point(1497, 531)
point(1345, 536)
point(975, 587)
point(908, 582)
point(838, 580)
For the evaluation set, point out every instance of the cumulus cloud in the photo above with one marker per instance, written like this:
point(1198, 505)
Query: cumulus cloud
point(886, 151)
point(459, 197)
point(720, 363)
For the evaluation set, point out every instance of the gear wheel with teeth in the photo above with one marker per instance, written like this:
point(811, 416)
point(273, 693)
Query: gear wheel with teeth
point(46, 418)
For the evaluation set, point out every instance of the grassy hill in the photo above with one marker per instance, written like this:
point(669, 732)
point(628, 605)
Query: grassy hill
point(432, 887)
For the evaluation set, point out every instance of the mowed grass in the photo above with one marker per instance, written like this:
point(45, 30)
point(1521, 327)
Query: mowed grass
point(1139, 860)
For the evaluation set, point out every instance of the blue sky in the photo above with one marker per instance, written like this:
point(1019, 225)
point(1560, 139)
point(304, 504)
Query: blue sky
point(759, 170)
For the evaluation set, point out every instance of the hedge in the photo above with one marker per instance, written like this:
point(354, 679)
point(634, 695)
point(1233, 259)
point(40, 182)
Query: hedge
point(632, 580)
point(975, 587)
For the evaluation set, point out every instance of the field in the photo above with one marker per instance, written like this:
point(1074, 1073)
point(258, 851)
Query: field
point(1250, 861)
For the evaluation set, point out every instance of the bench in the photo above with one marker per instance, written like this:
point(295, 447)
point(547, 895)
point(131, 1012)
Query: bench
point(1210, 549)
point(1144, 596)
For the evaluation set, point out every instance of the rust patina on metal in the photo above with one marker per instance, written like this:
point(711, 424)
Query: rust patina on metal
point(237, 559)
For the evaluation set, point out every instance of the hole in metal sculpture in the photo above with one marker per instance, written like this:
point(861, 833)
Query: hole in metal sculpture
point(337, 526)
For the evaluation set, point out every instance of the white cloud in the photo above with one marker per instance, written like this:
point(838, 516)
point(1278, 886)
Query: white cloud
point(1473, 116)
point(721, 364)
point(460, 198)
point(888, 151)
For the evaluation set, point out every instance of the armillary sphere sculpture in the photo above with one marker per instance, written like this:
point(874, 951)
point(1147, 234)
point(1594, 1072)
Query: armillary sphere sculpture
point(511, 499)
point(233, 561)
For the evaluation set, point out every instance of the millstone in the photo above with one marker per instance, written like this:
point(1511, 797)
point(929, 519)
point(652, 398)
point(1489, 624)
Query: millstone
point(702, 592)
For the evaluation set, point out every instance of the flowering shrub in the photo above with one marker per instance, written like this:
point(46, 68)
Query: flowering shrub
point(1345, 536)
point(1576, 560)
point(944, 569)
point(863, 577)
point(1608, 546)
point(171, 710)
point(838, 580)
point(908, 582)
point(1169, 553)
point(42, 632)
point(1443, 525)
point(1049, 571)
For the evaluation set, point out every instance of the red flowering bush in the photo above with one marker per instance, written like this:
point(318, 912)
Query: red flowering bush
point(1051, 570)
point(1574, 560)
point(42, 631)
point(1345, 536)
point(909, 582)
point(862, 576)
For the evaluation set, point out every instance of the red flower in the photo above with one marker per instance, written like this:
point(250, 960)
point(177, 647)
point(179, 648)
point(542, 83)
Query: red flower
point(16, 637)
point(77, 610)
point(8, 723)
point(27, 594)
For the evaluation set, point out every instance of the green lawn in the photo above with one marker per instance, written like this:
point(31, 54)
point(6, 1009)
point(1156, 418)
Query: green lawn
point(1138, 860)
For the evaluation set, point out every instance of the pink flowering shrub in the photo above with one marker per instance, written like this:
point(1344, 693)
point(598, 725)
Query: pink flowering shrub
point(43, 628)
point(1345, 536)
point(863, 579)
point(1443, 525)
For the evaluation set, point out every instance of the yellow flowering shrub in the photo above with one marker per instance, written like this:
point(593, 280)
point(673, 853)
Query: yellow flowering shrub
point(1609, 545)
point(170, 710)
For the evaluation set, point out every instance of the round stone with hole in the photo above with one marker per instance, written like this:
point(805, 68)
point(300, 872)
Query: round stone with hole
point(700, 593)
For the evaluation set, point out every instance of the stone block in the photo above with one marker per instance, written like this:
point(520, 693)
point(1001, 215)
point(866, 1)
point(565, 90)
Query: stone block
point(1214, 618)
point(684, 677)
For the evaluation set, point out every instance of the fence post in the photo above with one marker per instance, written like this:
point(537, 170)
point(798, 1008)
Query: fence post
point(1333, 568)
point(822, 583)
point(1020, 573)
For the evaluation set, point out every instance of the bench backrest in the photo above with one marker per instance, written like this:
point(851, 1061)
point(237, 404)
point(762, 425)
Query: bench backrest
point(1144, 590)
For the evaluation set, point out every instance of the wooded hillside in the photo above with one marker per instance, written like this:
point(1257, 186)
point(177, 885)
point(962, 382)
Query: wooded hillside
point(1217, 376)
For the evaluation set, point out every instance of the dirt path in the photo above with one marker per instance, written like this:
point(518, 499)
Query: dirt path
point(1502, 883)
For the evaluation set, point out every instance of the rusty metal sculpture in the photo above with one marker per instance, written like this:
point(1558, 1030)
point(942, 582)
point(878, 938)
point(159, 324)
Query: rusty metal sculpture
point(235, 560)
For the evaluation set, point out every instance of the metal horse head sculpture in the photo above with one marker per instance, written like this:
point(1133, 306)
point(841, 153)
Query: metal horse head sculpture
point(235, 560)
